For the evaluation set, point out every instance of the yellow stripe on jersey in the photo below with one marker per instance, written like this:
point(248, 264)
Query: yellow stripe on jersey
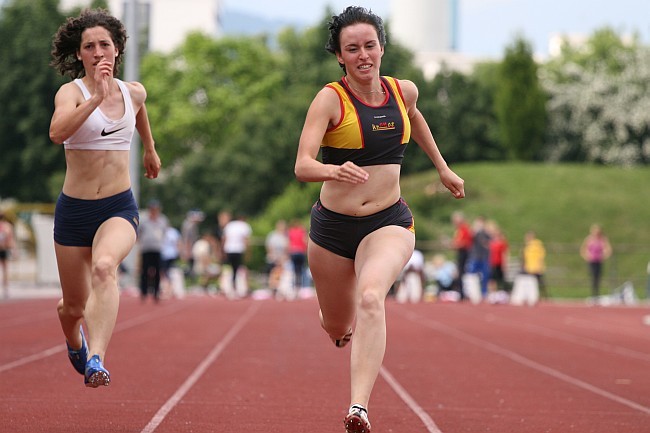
point(347, 133)
point(402, 106)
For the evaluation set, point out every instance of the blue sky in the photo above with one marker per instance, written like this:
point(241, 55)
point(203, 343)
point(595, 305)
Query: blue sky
point(488, 26)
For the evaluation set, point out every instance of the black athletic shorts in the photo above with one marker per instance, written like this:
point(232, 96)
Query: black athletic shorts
point(76, 220)
point(342, 234)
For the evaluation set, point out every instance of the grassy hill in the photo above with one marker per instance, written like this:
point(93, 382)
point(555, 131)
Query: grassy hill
point(559, 202)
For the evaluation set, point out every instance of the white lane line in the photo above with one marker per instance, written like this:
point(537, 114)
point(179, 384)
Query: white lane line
point(29, 319)
point(121, 326)
point(526, 362)
point(611, 327)
point(159, 417)
point(410, 401)
point(575, 339)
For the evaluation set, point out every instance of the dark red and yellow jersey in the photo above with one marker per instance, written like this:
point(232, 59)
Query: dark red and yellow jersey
point(368, 135)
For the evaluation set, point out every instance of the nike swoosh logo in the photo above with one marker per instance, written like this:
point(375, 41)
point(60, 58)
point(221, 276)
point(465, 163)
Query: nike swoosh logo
point(104, 133)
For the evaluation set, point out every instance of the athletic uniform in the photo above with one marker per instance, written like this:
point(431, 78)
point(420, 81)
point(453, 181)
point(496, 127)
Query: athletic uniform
point(75, 220)
point(365, 135)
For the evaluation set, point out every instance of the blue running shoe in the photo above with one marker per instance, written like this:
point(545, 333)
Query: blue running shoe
point(79, 357)
point(96, 375)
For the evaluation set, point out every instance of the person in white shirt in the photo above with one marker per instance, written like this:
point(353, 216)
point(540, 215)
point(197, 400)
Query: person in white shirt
point(236, 237)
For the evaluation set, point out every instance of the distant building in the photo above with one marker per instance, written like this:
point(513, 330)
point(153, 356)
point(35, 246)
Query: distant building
point(425, 25)
point(165, 23)
point(429, 28)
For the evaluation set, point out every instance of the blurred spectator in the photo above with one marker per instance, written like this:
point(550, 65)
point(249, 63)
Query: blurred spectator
point(206, 268)
point(534, 260)
point(443, 273)
point(189, 235)
point(7, 246)
point(498, 257)
point(151, 234)
point(462, 244)
point(236, 237)
point(298, 251)
point(595, 249)
point(169, 256)
point(411, 283)
point(479, 256)
point(277, 250)
point(223, 218)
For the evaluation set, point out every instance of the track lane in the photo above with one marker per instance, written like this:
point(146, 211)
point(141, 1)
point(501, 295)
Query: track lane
point(503, 389)
point(281, 373)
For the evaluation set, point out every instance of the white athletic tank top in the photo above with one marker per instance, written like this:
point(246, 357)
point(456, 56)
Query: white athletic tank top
point(99, 132)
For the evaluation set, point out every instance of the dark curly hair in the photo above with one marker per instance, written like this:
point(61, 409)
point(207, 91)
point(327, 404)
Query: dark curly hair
point(67, 40)
point(352, 15)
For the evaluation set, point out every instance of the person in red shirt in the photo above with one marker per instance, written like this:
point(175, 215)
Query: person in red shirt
point(462, 243)
point(297, 234)
point(498, 258)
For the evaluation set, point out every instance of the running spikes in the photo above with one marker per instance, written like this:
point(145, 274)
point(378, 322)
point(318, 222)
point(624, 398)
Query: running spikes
point(357, 420)
point(96, 375)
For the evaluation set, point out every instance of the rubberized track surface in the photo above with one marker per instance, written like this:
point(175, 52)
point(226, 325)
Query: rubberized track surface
point(210, 365)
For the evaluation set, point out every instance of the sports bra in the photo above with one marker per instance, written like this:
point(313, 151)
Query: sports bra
point(368, 135)
point(99, 132)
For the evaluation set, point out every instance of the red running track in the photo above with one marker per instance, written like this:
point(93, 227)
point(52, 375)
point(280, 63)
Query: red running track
point(209, 365)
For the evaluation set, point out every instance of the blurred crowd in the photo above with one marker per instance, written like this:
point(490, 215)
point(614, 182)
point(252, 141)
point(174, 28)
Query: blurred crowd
point(481, 268)
point(214, 261)
point(213, 257)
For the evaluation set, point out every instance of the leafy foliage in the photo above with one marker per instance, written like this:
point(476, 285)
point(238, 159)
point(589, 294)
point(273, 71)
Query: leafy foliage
point(520, 103)
point(227, 113)
point(458, 109)
point(30, 162)
point(599, 106)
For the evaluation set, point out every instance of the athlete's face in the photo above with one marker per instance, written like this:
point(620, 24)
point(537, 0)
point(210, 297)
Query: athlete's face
point(96, 45)
point(360, 51)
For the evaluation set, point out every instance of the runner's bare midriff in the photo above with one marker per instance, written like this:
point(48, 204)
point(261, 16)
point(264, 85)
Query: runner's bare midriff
point(379, 192)
point(95, 174)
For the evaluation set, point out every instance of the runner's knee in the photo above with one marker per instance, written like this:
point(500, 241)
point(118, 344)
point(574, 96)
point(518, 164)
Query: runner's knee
point(72, 309)
point(104, 269)
point(371, 305)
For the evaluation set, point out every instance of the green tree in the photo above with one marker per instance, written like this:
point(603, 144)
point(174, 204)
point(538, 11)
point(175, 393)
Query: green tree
point(520, 103)
point(218, 110)
point(227, 114)
point(599, 99)
point(459, 110)
point(31, 166)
